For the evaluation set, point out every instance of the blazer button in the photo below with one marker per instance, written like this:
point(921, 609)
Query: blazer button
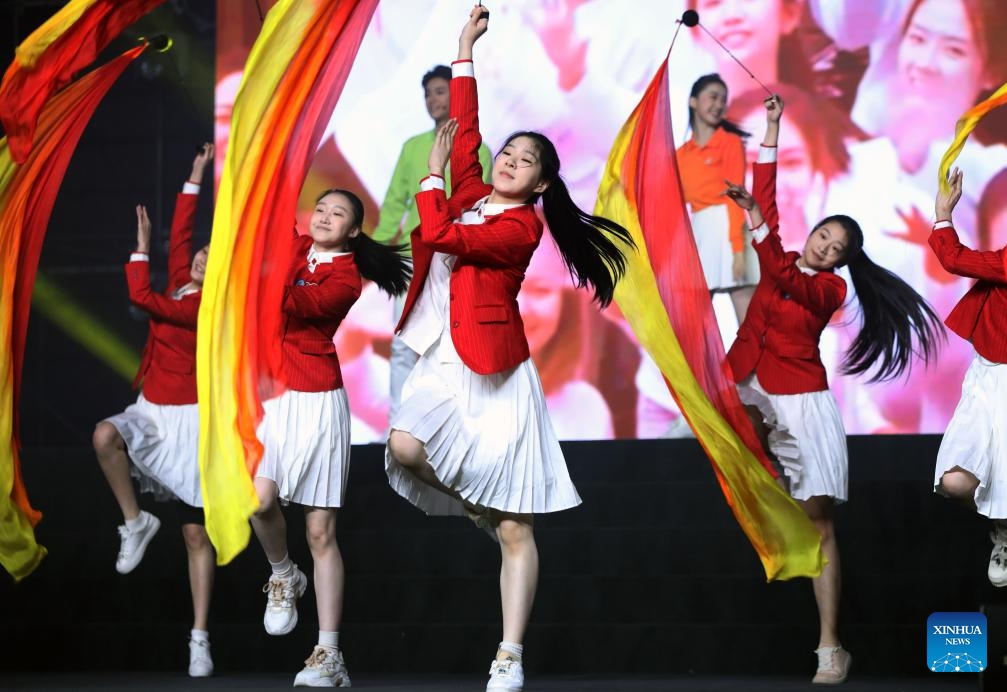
point(451, 296)
point(455, 324)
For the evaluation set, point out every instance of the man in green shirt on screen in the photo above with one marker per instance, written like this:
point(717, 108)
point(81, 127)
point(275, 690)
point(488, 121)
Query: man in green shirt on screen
point(398, 212)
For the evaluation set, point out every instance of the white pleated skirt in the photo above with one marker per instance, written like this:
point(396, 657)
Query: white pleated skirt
point(806, 435)
point(713, 241)
point(306, 446)
point(488, 437)
point(975, 439)
point(162, 442)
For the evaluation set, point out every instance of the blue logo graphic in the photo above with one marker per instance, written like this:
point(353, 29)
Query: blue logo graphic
point(956, 642)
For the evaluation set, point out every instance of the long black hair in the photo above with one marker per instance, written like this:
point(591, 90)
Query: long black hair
point(385, 265)
point(593, 258)
point(897, 323)
point(697, 88)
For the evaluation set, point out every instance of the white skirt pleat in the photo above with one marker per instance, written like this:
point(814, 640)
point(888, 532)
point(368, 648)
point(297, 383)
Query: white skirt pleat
point(488, 437)
point(162, 442)
point(713, 243)
point(806, 435)
point(306, 446)
point(975, 438)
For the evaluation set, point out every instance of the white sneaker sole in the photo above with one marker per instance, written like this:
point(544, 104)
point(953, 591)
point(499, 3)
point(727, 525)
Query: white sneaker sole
point(340, 680)
point(200, 672)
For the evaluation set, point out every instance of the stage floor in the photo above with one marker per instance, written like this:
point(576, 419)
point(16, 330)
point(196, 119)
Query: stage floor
point(377, 683)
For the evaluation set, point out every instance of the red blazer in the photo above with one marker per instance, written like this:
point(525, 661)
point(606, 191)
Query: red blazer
point(778, 339)
point(168, 365)
point(486, 326)
point(981, 314)
point(314, 304)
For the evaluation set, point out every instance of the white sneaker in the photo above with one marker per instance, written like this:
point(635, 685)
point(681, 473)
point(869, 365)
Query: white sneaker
point(281, 601)
point(200, 663)
point(506, 676)
point(997, 571)
point(134, 542)
point(324, 668)
point(834, 664)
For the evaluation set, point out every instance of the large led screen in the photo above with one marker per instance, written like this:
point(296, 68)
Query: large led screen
point(873, 90)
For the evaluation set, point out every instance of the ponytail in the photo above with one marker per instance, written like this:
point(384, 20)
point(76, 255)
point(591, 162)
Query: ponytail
point(592, 257)
point(385, 265)
point(894, 316)
point(583, 240)
point(729, 126)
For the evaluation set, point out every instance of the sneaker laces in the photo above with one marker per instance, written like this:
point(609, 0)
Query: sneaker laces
point(200, 648)
point(322, 657)
point(827, 657)
point(504, 668)
point(279, 591)
point(124, 535)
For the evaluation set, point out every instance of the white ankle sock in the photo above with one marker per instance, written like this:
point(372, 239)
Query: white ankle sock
point(283, 568)
point(137, 522)
point(330, 640)
point(199, 635)
point(515, 650)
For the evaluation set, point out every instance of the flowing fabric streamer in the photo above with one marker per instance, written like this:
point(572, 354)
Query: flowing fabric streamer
point(292, 80)
point(27, 194)
point(49, 58)
point(667, 303)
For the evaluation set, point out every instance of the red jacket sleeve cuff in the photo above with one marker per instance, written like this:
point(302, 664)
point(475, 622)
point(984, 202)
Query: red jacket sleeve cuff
point(432, 182)
point(767, 154)
point(462, 68)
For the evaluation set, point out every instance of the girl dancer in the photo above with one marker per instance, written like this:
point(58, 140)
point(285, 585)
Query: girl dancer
point(972, 461)
point(305, 432)
point(157, 437)
point(472, 433)
point(781, 378)
point(715, 153)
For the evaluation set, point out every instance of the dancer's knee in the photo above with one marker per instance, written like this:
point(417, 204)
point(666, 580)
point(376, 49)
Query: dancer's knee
point(406, 449)
point(196, 540)
point(959, 484)
point(515, 531)
point(106, 438)
point(267, 492)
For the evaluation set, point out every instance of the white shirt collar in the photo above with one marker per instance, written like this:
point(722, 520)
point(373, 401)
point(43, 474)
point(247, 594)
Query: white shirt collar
point(316, 257)
point(484, 208)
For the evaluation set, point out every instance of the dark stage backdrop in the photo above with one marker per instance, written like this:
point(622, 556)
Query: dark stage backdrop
point(650, 575)
point(84, 338)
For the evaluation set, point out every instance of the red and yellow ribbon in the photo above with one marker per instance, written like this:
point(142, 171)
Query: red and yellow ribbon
point(49, 58)
point(963, 128)
point(666, 301)
point(292, 80)
point(27, 194)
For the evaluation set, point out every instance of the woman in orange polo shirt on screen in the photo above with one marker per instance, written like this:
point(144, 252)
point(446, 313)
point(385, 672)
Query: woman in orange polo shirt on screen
point(713, 154)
